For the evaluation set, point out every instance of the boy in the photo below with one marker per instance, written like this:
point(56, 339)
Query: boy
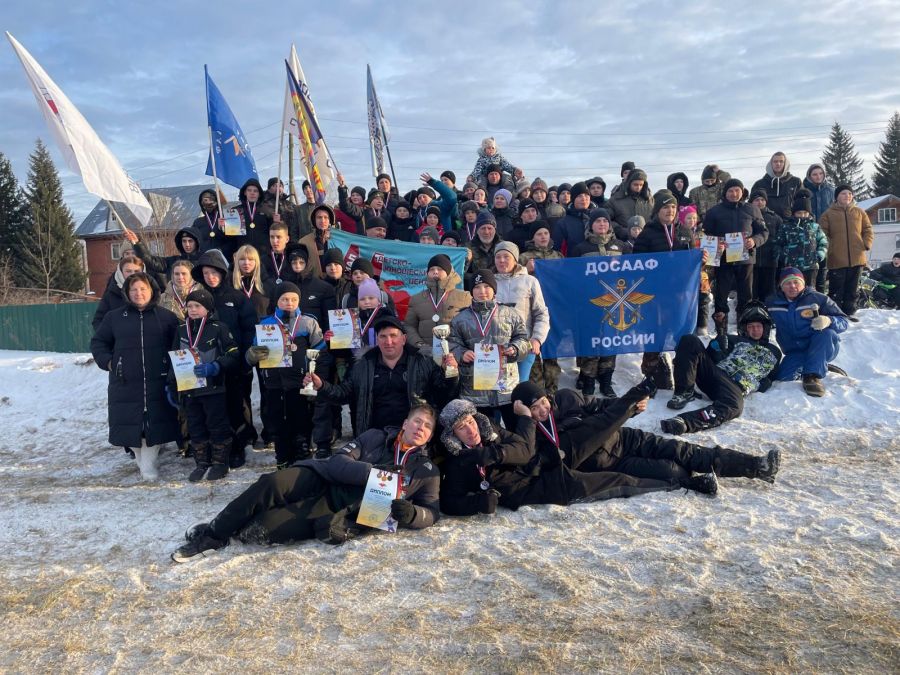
point(205, 408)
point(275, 264)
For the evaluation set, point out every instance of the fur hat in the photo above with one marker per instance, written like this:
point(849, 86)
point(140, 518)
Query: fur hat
point(626, 166)
point(452, 414)
point(709, 171)
point(522, 185)
point(204, 297)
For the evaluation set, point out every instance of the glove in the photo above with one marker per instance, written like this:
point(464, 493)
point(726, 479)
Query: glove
point(207, 369)
point(646, 387)
point(172, 398)
point(256, 354)
point(488, 500)
point(821, 322)
point(403, 511)
point(764, 385)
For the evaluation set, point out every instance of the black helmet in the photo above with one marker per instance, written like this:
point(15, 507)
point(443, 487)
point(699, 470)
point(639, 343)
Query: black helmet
point(755, 311)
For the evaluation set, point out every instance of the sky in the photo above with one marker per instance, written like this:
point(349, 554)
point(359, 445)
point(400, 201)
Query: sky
point(570, 90)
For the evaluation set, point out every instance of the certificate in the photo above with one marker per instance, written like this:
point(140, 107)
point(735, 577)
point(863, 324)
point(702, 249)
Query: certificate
point(183, 363)
point(272, 336)
point(344, 323)
point(234, 224)
point(382, 488)
point(488, 367)
point(734, 247)
point(710, 244)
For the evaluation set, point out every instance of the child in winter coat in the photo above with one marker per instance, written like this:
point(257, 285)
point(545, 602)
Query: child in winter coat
point(489, 154)
point(207, 417)
point(800, 241)
point(288, 413)
point(689, 229)
point(371, 308)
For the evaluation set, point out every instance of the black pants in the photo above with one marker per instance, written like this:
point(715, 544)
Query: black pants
point(322, 421)
point(263, 393)
point(843, 285)
point(764, 282)
point(278, 508)
point(703, 310)
point(503, 412)
point(207, 419)
point(694, 367)
point(822, 278)
point(237, 397)
point(733, 277)
point(289, 419)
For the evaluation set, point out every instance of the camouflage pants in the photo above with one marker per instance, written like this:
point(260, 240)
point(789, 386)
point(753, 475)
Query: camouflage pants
point(545, 374)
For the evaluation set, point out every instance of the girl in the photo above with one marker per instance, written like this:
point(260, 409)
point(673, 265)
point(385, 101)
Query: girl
point(178, 288)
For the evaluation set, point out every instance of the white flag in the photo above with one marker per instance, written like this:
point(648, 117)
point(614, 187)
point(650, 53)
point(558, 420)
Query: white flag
point(84, 152)
point(378, 132)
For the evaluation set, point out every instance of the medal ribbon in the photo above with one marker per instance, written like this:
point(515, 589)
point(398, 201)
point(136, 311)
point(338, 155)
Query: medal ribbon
point(552, 434)
point(371, 319)
point(251, 211)
point(670, 234)
point(181, 303)
point(483, 327)
point(276, 265)
point(437, 305)
point(191, 341)
point(213, 223)
point(247, 292)
point(483, 472)
point(470, 231)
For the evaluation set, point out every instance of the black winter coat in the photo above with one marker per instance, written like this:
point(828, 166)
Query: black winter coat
point(570, 229)
point(161, 266)
point(730, 217)
point(237, 313)
point(779, 193)
point(653, 239)
point(112, 299)
point(767, 256)
point(133, 346)
point(215, 344)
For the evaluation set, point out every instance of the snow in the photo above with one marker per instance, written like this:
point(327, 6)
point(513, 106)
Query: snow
point(796, 576)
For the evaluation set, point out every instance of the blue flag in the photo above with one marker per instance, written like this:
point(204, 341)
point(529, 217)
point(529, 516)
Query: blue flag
point(234, 163)
point(601, 306)
point(401, 265)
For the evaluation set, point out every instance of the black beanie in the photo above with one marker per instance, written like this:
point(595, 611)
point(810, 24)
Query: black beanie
point(286, 287)
point(452, 234)
point(538, 225)
point(759, 193)
point(333, 256)
point(802, 201)
point(626, 166)
point(373, 193)
point(272, 182)
point(579, 188)
point(661, 199)
point(731, 183)
point(204, 297)
point(436, 210)
point(709, 171)
point(527, 204)
point(440, 260)
point(375, 221)
point(840, 188)
point(425, 190)
point(484, 276)
point(449, 174)
point(493, 168)
point(363, 265)
point(528, 393)
point(359, 190)
point(297, 251)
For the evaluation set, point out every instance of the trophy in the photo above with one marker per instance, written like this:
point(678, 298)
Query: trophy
point(312, 355)
point(442, 332)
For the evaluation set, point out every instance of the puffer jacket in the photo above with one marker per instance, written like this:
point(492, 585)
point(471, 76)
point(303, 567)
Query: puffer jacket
point(793, 330)
point(418, 321)
point(652, 239)
point(522, 292)
point(600, 244)
point(506, 328)
point(568, 232)
point(232, 306)
point(307, 335)
point(747, 362)
point(624, 205)
point(849, 233)
point(479, 171)
point(779, 189)
point(732, 217)
point(800, 243)
point(213, 344)
point(822, 195)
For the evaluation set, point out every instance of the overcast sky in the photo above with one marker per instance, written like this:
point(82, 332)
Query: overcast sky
point(569, 89)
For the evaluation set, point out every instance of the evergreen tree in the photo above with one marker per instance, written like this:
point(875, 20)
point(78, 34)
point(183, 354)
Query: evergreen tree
point(842, 163)
point(48, 254)
point(12, 208)
point(886, 179)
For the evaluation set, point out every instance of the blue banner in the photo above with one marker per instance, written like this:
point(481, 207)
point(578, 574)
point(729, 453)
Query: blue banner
point(234, 163)
point(400, 265)
point(601, 306)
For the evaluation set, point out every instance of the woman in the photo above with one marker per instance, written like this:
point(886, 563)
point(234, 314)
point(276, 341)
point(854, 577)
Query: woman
point(521, 291)
point(113, 298)
point(132, 343)
point(181, 284)
point(247, 278)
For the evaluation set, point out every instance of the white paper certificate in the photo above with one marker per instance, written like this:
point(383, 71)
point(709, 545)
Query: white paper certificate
point(270, 335)
point(381, 489)
point(734, 247)
point(344, 323)
point(234, 224)
point(710, 244)
point(488, 367)
point(183, 362)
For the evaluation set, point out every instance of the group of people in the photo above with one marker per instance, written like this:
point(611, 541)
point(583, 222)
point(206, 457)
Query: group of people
point(458, 447)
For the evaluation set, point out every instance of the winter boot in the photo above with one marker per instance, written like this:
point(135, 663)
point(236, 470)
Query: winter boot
point(201, 457)
point(728, 463)
point(705, 484)
point(721, 321)
point(768, 466)
point(681, 399)
point(336, 528)
point(219, 456)
point(146, 458)
point(662, 374)
point(197, 531)
point(813, 386)
point(198, 548)
point(674, 425)
point(604, 384)
point(585, 384)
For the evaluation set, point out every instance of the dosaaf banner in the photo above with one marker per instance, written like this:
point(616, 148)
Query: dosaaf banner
point(607, 305)
point(400, 265)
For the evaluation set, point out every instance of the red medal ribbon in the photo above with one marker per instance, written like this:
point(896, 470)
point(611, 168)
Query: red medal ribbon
point(293, 332)
point(181, 303)
point(276, 265)
point(437, 304)
point(552, 434)
point(371, 319)
point(191, 341)
point(483, 327)
point(250, 212)
point(670, 234)
point(247, 292)
point(213, 224)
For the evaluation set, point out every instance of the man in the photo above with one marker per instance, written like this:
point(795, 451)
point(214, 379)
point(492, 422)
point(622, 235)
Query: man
point(316, 242)
point(766, 267)
point(888, 275)
point(779, 184)
point(376, 227)
point(730, 368)
point(850, 237)
point(807, 325)
point(388, 380)
point(709, 192)
point(211, 223)
point(304, 212)
point(437, 304)
point(595, 435)
point(275, 266)
point(597, 188)
point(734, 216)
point(383, 183)
point(321, 497)
point(622, 186)
point(634, 200)
point(520, 234)
point(677, 183)
point(286, 211)
point(569, 231)
point(547, 209)
point(446, 202)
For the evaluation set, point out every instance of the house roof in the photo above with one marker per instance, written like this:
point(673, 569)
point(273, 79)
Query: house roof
point(173, 208)
point(867, 204)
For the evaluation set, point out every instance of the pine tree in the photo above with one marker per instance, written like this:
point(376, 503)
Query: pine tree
point(842, 163)
point(12, 208)
point(49, 255)
point(886, 179)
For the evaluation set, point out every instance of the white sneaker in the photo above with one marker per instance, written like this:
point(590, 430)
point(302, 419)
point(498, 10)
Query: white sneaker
point(146, 458)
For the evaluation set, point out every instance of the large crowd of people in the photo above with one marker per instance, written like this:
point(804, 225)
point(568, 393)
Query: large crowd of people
point(456, 445)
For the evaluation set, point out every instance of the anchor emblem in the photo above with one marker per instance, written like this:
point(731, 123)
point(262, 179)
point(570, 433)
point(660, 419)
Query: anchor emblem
point(617, 300)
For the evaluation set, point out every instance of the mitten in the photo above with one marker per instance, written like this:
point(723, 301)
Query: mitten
point(256, 354)
point(404, 512)
point(487, 501)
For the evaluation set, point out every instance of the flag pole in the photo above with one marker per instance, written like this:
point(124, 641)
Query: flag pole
point(390, 161)
point(280, 152)
point(291, 168)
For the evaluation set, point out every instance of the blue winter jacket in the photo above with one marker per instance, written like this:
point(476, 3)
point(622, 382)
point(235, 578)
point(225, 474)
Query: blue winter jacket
point(822, 197)
point(792, 329)
point(446, 203)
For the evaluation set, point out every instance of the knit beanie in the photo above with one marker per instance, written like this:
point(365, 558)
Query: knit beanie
point(802, 201)
point(425, 190)
point(286, 287)
point(527, 204)
point(626, 166)
point(506, 194)
point(363, 265)
point(789, 274)
point(454, 235)
point(509, 247)
point(376, 221)
point(433, 210)
point(333, 256)
point(484, 276)
point(440, 260)
point(485, 218)
point(539, 225)
point(840, 188)
point(449, 174)
point(430, 231)
point(528, 393)
point(636, 221)
point(368, 289)
point(539, 184)
point(731, 183)
point(759, 193)
point(598, 213)
point(663, 198)
point(204, 297)
point(358, 190)
point(469, 206)
point(578, 189)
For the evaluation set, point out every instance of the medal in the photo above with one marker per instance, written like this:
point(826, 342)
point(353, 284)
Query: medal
point(293, 347)
point(437, 305)
point(212, 234)
point(252, 225)
point(278, 281)
point(435, 317)
point(484, 327)
point(484, 485)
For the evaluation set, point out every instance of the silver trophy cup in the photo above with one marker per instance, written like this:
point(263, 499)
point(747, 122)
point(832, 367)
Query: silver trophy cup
point(312, 355)
point(442, 332)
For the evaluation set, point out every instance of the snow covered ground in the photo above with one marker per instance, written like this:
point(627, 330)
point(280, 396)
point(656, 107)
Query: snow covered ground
point(797, 576)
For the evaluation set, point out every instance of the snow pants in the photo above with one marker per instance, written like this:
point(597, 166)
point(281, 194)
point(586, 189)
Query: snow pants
point(811, 358)
point(694, 367)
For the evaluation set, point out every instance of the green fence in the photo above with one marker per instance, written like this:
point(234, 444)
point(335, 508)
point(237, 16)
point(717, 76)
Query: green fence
point(47, 328)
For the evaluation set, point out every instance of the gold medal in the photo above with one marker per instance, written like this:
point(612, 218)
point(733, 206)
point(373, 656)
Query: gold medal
point(212, 234)
point(252, 225)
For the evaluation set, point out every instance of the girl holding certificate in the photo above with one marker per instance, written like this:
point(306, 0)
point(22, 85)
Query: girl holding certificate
point(488, 339)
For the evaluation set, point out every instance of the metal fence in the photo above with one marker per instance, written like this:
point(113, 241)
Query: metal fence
point(47, 328)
